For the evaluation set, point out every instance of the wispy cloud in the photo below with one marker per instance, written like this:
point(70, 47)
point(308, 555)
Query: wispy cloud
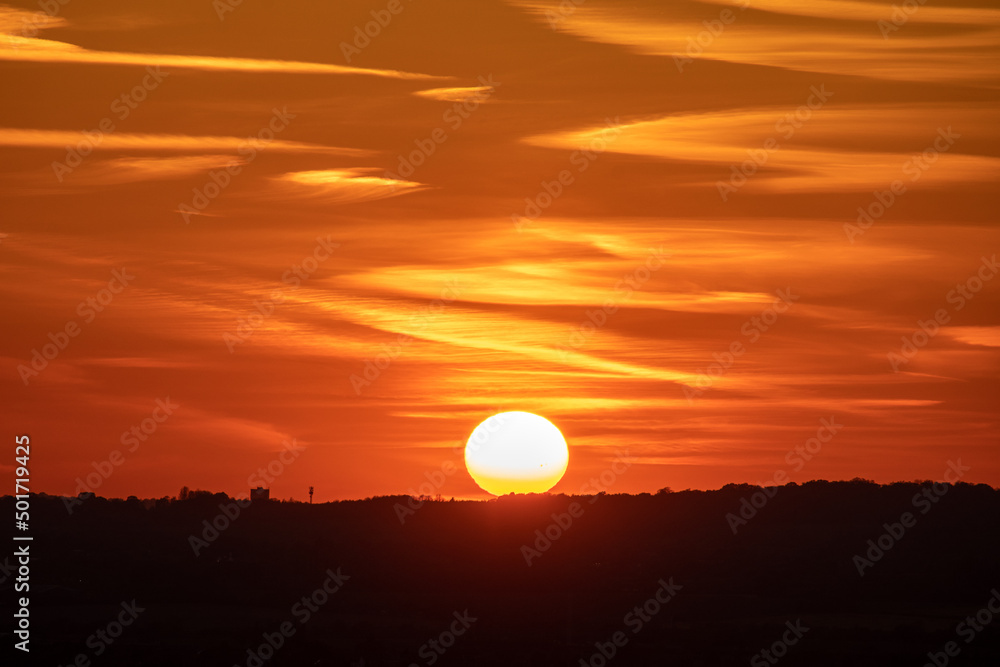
point(888, 138)
point(856, 10)
point(19, 46)
point(139, 169)
point(478, 93)
point(126, 141)
point(340, 186)
point(946, 52)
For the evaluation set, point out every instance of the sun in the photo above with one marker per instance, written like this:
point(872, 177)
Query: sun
point(516, 452)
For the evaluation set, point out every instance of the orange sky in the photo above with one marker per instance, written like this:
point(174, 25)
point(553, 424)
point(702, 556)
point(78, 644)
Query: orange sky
point(570, 212)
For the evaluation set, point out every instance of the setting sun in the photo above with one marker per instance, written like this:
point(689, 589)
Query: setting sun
point(305, 303)
point(516, 452)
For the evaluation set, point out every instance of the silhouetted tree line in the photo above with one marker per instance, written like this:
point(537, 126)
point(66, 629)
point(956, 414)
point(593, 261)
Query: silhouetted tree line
point(793, 560)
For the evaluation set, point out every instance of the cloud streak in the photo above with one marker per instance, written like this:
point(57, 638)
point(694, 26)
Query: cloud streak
point(16, 46)
point(128, 141)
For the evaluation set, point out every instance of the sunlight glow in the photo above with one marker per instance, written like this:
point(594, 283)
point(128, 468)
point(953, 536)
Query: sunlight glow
point(516, 452)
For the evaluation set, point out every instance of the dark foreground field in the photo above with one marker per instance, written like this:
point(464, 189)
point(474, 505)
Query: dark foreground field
point(645, 580)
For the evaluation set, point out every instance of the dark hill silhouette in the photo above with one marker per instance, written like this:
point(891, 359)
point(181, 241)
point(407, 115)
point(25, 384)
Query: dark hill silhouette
point(407, 583)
